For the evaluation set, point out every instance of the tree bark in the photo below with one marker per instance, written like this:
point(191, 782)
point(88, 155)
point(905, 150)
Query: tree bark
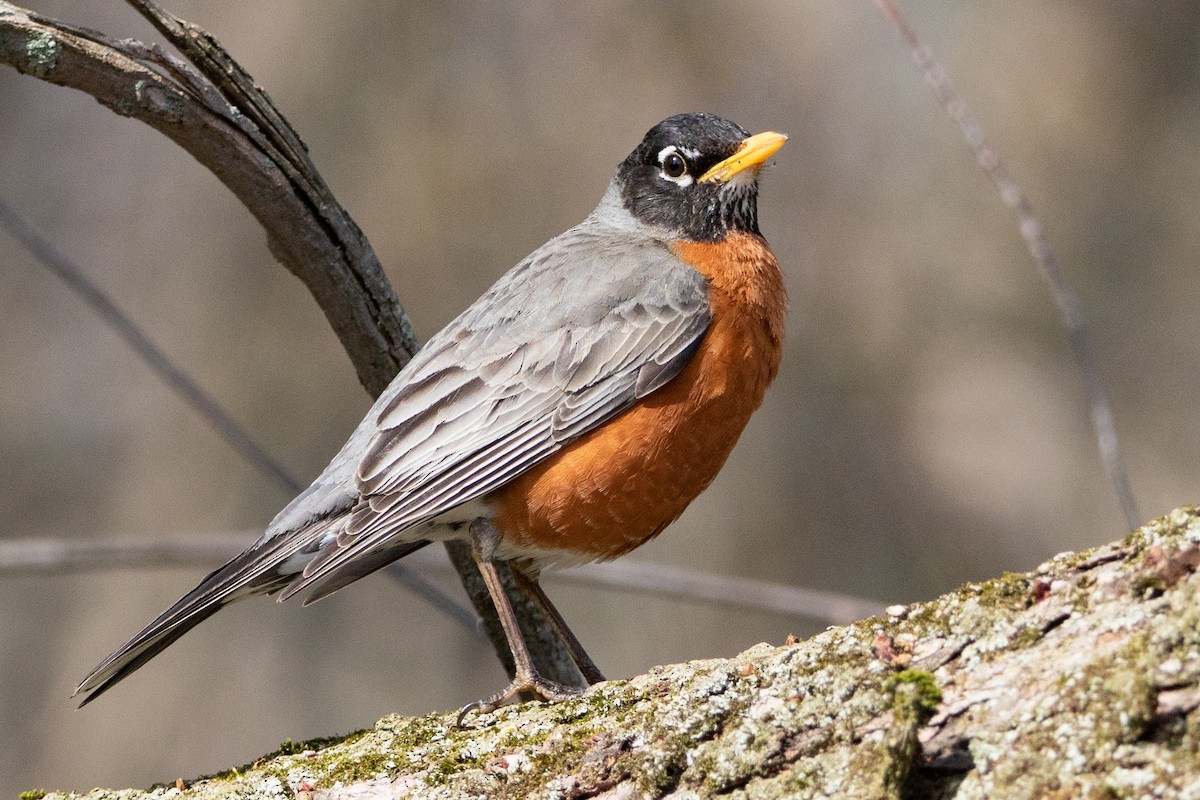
point(1079, 679)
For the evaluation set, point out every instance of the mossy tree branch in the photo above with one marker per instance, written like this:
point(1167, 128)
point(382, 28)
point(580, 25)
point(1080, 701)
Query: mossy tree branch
point(1079, 679)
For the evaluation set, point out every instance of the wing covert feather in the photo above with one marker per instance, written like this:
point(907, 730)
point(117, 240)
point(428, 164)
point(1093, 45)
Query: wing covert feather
point(569, 338)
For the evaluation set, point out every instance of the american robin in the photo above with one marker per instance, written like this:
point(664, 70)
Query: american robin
point(569, 415)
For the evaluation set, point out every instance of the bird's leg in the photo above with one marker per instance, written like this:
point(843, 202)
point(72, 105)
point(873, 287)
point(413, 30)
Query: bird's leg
point(526, 678)
point(587, 667)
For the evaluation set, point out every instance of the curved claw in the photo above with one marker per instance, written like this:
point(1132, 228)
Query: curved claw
point(547, 690)
point(467, 709)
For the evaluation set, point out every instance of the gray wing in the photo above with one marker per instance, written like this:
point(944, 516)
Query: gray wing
point(565, 341)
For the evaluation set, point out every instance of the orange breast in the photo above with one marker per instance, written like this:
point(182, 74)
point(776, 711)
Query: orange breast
point(616, 487)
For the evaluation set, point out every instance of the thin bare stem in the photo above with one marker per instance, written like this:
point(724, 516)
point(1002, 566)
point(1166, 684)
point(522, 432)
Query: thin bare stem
point(1032, 232)
point(28, 557)
point(43, 557)
point(692, 585)
point(232, 432)
point(217, 114)
point(188, 389)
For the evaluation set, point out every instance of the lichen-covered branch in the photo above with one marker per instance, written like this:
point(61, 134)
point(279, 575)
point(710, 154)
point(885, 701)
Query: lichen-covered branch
point(1080, 679)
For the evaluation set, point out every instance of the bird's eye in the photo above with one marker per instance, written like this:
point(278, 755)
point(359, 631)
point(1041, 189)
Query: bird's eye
point(674, 165)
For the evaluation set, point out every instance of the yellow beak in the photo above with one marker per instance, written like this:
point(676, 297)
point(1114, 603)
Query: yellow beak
point(753, 153)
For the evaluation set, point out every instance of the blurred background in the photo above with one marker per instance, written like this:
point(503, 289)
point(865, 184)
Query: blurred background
point(928, 426)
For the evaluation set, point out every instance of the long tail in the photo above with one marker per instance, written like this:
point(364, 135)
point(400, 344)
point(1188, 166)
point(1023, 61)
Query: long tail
point(254, 571)
point(218, 589)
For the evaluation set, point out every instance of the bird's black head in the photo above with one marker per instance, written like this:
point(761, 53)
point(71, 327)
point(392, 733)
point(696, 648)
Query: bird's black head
point(697, 175)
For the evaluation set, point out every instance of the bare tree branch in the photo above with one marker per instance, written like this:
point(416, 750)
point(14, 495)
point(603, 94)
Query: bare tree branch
point(26, 557)
point(247, 144)
point(232, 432)
point(186, 388)
point(831, 608)
point(306, 229)
point(1035, 238)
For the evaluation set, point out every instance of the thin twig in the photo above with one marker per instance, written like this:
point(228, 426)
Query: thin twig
point(177, 380)
point(191, 393)
point(27, 557)
point(42, 557)
point(236, 87)
point(308, 231)
point(1035, 237)
point(832, 608)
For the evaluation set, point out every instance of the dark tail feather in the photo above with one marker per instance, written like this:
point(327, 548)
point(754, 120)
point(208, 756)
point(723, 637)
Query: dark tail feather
point(242, 577)
point(252, 572)
point(137, 651)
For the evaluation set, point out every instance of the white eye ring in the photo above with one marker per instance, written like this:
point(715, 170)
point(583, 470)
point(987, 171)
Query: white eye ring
point(674, 166)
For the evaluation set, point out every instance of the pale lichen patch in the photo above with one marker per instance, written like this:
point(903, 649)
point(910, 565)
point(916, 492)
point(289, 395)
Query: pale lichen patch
point(43, 51)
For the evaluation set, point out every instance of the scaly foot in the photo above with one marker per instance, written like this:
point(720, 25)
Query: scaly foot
point(536, 684)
